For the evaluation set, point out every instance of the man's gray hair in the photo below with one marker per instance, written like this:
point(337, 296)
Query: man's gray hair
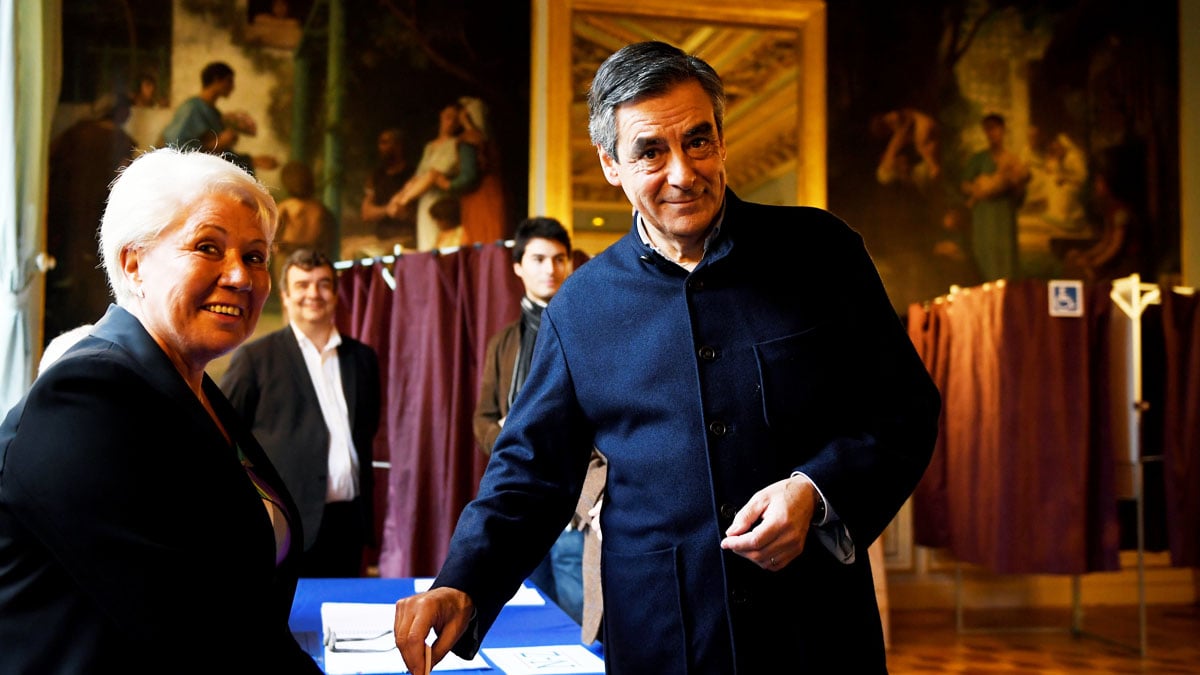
point(639, 71)
point(157, 190)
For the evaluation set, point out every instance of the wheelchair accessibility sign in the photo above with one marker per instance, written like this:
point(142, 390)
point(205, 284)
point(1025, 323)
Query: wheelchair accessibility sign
point(1066, 297)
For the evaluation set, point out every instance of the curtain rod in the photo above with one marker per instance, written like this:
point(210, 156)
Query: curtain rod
point(399, 251)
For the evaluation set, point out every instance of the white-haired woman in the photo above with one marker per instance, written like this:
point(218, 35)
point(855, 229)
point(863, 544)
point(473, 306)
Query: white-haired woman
point(142, 529)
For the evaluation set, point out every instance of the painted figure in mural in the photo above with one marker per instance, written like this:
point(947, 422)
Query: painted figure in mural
point(279, 27)
point(758, 436)
point(911, 183)
point(447, 213)
point(145, 93)
point(1117, 250)
point(84, 160)
point(304, 220)
point(951, 249)
point(484, 209)
point(390, 175)
point(448, 167)
point(908, 128)
point(994, 181)
point(1057, 175)
point(200, 124)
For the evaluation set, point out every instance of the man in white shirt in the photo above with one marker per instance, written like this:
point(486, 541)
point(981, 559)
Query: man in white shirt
point(312, 398)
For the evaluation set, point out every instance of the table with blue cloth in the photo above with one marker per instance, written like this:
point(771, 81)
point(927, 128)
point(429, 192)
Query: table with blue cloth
point(517, 625)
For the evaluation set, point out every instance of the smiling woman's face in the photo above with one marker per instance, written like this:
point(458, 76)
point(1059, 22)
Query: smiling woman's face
point(201, 285)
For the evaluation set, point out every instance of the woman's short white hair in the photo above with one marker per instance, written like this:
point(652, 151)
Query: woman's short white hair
point(157, 190)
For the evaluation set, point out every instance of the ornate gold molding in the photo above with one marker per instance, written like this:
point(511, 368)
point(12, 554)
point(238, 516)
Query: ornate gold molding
point(771, 56)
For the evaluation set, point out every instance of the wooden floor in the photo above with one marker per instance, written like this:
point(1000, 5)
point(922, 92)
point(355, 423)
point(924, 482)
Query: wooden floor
point(1041, 642)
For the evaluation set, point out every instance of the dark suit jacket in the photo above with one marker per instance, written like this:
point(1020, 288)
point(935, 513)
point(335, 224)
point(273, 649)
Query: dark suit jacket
point(131, 538)
point(268, 383)
point(778, 352)
point(499, 362)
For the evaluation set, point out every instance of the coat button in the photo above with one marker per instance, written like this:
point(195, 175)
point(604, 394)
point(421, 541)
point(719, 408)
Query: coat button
point(728, 512)
point(707, 353)
point(695, 284)
point(738, 596)
point(718, 428)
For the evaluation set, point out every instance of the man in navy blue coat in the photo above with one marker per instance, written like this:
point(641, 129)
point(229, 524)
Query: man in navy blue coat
point(763, 412)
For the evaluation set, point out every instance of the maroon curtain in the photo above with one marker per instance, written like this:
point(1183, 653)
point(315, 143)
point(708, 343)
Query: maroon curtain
point(972, 408)
point(430, 333)
point(1049, 392)
point(1016, 486)
point(364, 304)
point(1103, 535)
point(927, 328)
point(430, 447)
point(1181, 438)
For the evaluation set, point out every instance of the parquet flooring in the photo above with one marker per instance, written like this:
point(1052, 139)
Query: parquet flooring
point(994, 641)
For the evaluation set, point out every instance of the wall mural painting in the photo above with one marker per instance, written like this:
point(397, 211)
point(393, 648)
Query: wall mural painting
point(969, 140)
point(431, 90)
point(434, 105)
point(1007, 139)
point(437, 122)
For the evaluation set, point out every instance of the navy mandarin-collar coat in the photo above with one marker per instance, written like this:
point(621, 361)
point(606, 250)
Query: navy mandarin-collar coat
point(779, 352)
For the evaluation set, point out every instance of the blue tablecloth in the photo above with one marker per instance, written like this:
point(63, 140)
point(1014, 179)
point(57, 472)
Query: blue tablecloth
point(517, 626)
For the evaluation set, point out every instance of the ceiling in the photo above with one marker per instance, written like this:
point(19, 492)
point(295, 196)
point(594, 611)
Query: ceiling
point(760, 69)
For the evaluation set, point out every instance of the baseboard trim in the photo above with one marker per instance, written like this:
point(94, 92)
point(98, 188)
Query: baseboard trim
point(937, 588)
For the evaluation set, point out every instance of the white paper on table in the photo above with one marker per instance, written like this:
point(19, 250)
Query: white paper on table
point(549, 660)
point(367, 626)
point(526, 595)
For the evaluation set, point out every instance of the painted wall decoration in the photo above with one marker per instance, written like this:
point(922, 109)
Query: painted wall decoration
point(403, 65)
point(407, 65)
point(1081, 178)
point(1005, 139)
